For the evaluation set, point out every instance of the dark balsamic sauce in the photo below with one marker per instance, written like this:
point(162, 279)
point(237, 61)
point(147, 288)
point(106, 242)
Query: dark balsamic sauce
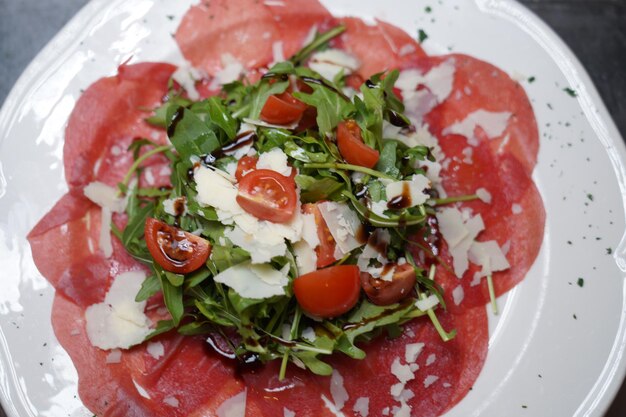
point(403, 200)
point(321, 82)
point(241, 140)
point(176, 118)
point(397, 119)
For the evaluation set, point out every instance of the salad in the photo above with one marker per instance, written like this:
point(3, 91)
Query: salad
point(281, 236)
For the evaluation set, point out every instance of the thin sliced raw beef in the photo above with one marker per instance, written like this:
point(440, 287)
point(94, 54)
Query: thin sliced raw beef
point(65, 245)
point(193, 378)
point(514, 218)
point(244, 29)
point(479, 85)
point(456, 365)
point(379, 47)
point(295, 19)
point(108, 117)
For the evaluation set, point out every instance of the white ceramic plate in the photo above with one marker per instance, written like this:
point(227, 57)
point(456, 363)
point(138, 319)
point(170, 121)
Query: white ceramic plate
point(556, 348)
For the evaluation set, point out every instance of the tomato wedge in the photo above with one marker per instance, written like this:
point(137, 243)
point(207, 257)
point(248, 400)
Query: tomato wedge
point(174, 249)
point(282, 109)
point(325, 251)
point(328, 292)
point(245, 164)
point(248, 163)
point(352, 147)
point(268, 195)
point(384, 293)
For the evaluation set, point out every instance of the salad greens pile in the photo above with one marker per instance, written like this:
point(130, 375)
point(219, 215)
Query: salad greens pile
point(276, 327)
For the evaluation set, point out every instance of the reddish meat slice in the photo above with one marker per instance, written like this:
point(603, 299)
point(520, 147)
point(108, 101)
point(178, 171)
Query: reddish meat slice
point(455, 364)
point(108, 117)
point(515, 215)
point(482, 86)
point(193, 378)
point(295, 19)
point(65, 247)
point(378, 47)
point(244, 29)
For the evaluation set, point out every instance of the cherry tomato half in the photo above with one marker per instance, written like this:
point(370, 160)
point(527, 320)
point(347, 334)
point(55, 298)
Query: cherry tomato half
point(384, 293)
point(282, 109)
point(328, 292)
point(325, 251)
point(352, 147)
point(248, 163)
point(245, 164)
point(174, 249)
point(268, 195)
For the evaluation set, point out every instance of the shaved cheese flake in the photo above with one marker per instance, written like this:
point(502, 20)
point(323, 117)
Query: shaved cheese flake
point(427, 303)
point(261, 251)
point(516, 209)
point(332, 407)
point(114, 356)
point(234, 406)
point(396, 389)
point(431, 359)
point(119, 321)
point(231, 70)
point(306, 258)
point(451, 226)
point(402, 372)
point(288, 413)
point(403, 411)
point(105, 243)
point(416, 187)
point(439, 80)
point(458, 294)
point(309, 230)
point(338, 390)
point(186, 76)
point(254, 281)
point(494, 124)
point(484, 195)
point(330, 62)
point(275, 160)
point(141, 390)
point(459, 234)
point(155, 349)
point(362, 406)
point(412, 351)
point(429, 380)
point(343, 224)
point(489, 256)
point(171, 401)
point(309, 334)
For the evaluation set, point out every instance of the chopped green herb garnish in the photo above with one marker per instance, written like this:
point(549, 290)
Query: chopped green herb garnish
point(421, 35)
point(581, 282)
point(571, 92)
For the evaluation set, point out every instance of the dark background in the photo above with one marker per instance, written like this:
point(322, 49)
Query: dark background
point(594, 29)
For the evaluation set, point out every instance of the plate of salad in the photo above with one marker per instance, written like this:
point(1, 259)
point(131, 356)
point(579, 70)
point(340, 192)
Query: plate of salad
point(293, 208)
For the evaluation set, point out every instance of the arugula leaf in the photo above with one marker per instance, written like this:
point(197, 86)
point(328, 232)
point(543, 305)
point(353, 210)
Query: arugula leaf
point(314, 189)
point(160, 113)
point(189, 134)
point(218, 114)
point(331, 107)
point(387, 161)
point(223, 258)
point(150, 286)
point(172, 295)
point(261, 93)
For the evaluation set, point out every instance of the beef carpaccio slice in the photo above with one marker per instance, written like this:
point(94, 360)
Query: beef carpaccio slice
point(480, 86)
point(190, 379)
point(107, 118)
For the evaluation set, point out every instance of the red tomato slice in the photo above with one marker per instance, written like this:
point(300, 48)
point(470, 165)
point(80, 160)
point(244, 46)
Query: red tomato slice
point(248, 163)
point(268, 195)
point(328, 292)
point(282, 109)
point(174, 249)
point(325, 251)
point(245, 164)
point(352, 147)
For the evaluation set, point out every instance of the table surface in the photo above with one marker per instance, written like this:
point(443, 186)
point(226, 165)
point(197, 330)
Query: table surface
point(594, 30)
